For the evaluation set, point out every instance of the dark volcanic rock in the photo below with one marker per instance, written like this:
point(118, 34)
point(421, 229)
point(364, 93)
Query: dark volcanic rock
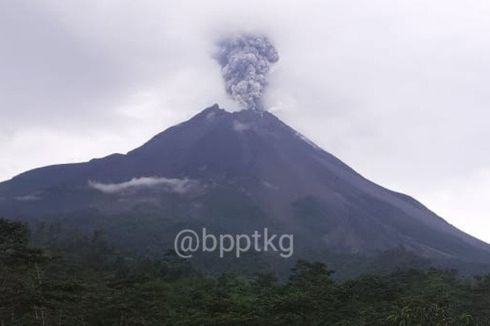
point(235, 172)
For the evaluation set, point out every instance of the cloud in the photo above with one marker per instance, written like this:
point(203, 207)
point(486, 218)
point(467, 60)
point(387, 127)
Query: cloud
point(239, 126)
point(28, 198)
point(167, 184)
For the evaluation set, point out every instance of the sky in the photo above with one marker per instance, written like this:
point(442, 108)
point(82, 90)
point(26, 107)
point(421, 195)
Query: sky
point(396, 89)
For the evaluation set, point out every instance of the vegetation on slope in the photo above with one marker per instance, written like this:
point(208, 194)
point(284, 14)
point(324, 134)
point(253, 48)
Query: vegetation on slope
point(85, 282)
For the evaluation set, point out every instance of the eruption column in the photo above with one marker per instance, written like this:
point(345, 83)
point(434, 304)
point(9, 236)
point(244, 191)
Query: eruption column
point(245, 61)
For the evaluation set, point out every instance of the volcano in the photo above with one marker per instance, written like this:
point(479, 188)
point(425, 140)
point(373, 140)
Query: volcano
point(234, 172)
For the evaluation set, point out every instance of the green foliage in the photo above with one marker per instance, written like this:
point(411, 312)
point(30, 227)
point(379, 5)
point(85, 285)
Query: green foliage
point(83, 281)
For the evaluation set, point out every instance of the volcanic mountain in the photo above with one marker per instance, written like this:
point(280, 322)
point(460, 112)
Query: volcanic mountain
point(234, 172)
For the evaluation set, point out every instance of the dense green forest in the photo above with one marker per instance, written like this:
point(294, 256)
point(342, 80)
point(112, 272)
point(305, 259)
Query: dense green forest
point(86, 282)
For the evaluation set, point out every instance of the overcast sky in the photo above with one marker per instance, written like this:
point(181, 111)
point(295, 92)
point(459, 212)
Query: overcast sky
point(396, 89)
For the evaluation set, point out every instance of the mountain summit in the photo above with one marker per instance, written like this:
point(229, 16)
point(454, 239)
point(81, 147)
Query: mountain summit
point(235, 172)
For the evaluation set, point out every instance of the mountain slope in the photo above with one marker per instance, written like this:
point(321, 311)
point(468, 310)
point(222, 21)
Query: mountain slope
point(237, 172)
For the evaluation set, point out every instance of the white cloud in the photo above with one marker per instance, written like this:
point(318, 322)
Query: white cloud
point(239, 126)
point(167, 184)
point(28, 198)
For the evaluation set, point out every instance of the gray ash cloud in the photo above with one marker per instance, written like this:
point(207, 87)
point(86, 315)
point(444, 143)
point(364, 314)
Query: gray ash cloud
point(245, 61)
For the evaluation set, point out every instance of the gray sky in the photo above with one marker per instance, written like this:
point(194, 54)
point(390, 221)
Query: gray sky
point(396, 89)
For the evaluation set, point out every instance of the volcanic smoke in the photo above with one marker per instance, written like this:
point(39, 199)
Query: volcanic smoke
point(245, 61)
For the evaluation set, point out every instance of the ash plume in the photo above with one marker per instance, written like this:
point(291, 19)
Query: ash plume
point(245, 61)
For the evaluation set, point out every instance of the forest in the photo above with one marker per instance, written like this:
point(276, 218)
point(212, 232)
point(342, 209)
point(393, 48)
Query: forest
point(86, 282)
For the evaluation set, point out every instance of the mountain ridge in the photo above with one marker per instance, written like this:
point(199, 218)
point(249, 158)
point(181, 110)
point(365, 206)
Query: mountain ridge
point(236, 162)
